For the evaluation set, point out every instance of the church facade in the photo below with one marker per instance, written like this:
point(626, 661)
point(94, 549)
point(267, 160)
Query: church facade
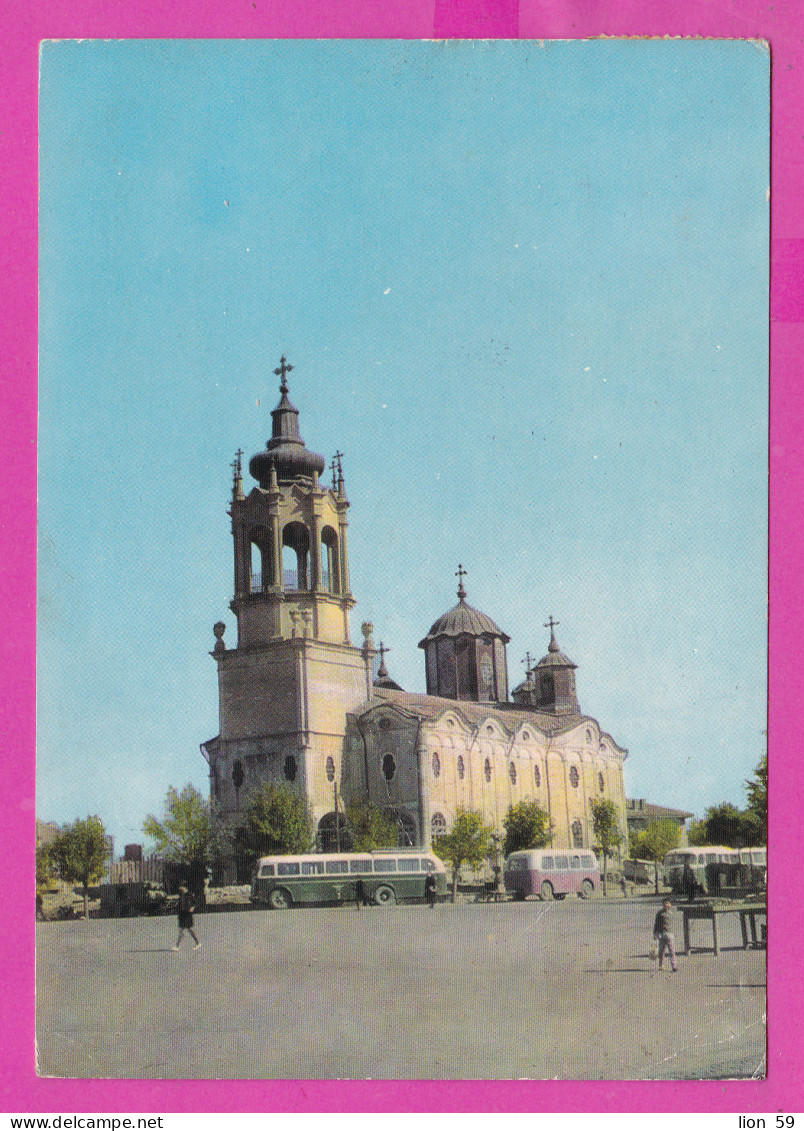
point(299, 704)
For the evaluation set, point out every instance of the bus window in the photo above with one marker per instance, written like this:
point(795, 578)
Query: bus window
point(287, 869)
point(267, 870)
point(547, 863)
point(576, 862)
point(562, 863)
point(428, 865)
point(359, 866)
point(587, 862)
point(312, 868)
point(407, 864)
point(711, 857)
point(385, 865)
point(334, 867)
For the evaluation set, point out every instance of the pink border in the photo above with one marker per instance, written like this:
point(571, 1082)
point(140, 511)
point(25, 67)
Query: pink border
point(782, 23)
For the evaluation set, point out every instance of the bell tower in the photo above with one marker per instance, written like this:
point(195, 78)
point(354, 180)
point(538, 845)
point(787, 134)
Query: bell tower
point(286, 685)
point(291, 563)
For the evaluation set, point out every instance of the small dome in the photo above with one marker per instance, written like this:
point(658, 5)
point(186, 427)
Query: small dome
point(555, 658)
point(463, 620)
point(286, 451)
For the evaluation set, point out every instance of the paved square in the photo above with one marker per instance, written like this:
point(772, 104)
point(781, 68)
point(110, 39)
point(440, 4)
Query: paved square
point(514, 990)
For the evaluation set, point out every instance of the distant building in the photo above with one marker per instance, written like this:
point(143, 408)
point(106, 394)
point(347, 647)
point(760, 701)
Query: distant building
point(299, 704)
point(46, 832)
point(640, 814)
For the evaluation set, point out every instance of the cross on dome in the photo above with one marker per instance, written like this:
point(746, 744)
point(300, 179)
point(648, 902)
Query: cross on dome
point(282, 372)
point(460, 573)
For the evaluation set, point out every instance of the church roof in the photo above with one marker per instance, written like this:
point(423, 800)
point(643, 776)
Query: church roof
point(509, 715)
point(286, 451)
point(463, 620)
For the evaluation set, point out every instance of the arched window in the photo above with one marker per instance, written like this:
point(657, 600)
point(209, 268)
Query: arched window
point(573, 776)
point(487, 769)
point(295, 556)
point(436, 765)
point(330, 567)
point(330, 767)
point(537, 777)
point(388, 767)
point(461, 768)
point(290, 768)
point(577, 834)
point(512, 772)
point(601, 784)
point(438, 824)
point(259, 564)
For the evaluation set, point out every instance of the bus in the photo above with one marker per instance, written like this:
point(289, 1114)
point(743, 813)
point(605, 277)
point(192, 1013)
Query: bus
point(551, 873)
point(714, 866)
point(388, 877)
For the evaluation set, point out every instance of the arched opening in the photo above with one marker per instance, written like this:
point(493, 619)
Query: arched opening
point(330, 567)
point(438, 825)
point(577, 834)
point(259, 560)
point(295, 556)
point(333, 834)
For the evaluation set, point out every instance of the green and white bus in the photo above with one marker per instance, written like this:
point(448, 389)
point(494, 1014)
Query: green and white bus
point(387, 876)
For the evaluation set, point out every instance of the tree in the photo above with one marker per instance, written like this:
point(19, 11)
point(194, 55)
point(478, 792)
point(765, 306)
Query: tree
point(369, 827)
point(607, 830)
point(733, 827)
point(696, 834)
point(79, 854)
point(468, 843)
point(526, 826)
point(757, 790)
point(279, 822)
point(659, 838)
point(188, 833)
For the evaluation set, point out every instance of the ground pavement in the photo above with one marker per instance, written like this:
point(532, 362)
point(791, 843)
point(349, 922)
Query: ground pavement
point(534, 990)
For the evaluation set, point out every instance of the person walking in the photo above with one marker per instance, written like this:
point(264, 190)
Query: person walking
point(360, 893)
point(663, 934)
point(430, 890)
point(186, 909)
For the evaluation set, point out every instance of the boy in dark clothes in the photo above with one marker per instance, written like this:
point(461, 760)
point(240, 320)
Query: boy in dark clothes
point(662, 933)
point(186, 909)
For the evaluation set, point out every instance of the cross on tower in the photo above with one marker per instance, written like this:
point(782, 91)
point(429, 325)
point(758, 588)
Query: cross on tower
point(237, 470)
point(551, 624)
point(336, 467)
point(527, 662)
point(382, 671)
point(282, 372)
point(460, 573)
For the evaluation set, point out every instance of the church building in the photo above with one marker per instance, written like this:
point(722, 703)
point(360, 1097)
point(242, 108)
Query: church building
point(299, 703)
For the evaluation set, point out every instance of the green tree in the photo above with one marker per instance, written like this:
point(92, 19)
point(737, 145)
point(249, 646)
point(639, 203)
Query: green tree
point(607, 830)
point(189, 833)
point(279, 822)
point(526, 826)
point(757, 790)
point(468, 843)
point(659, 838)
point(732, 827)
point(697, 834)
point(78, 853)
point(44, 866)
point(368, 827)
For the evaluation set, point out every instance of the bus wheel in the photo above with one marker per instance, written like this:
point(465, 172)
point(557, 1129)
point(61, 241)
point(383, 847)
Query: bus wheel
point(384, 895)
point(279, 899)
point(587, 888)
point(546, 890)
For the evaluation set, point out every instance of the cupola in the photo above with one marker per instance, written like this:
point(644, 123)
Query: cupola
point(465, 654)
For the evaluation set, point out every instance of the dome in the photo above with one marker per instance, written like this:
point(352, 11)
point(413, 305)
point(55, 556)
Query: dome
point(555, 658)
point(463, 620)
point(286, 451)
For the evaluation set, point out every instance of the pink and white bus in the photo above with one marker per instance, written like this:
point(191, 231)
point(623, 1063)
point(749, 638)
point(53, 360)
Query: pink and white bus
point(552, 873)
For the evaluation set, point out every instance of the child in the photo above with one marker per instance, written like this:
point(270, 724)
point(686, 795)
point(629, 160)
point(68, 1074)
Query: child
point(186, 910)
point(663, 934)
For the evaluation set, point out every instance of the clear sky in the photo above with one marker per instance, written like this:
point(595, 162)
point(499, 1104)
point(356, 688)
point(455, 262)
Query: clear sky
point(524, 289)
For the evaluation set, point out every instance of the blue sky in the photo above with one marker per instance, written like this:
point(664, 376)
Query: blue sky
point(524, 289)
